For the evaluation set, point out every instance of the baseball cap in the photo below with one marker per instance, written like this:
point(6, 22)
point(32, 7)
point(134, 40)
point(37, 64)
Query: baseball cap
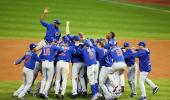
point(32, 46)
point(76, 38)
point(57, 21)
point(126, 44)
point(112, 43)
point(142, 44)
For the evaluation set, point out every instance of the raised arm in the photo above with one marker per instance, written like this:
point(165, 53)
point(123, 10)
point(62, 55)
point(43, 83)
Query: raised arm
point(44, 13)
point(68, 27)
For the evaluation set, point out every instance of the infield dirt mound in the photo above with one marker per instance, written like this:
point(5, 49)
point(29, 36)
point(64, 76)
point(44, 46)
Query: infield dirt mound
point(155, 2)
point(12, 50)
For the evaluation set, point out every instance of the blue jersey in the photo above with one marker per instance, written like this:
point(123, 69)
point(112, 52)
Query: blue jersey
point(77, 57)
point(89, 55)
point(144, 59)
point(100, 52)
point(66, 55)
point(52, 33)
point(49, 52)
point(129, 60)
point(29, 59)
point(116, 54)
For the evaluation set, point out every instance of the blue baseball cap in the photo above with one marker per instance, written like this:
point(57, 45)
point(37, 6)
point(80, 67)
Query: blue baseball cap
point(32, 46)
point(88, 43)
point(76, 38)
point(57, 21)
point(142, 44)
point(126, 44)
point(65, 39)
point(112, 43)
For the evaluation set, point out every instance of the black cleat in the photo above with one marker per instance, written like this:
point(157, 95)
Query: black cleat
point(73, 96)
point(84, 94)
point(62, 97)
point(155, 90)
point(57, 96)
point(122, 89)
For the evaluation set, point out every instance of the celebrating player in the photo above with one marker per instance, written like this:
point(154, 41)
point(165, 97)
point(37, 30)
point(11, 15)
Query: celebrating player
point(48, 56)
point(30, 58)
point(132, 68)
point(143, 54)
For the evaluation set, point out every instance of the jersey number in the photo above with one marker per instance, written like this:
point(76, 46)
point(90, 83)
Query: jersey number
point(47, 51)
point(118, 52)
point(91, 54)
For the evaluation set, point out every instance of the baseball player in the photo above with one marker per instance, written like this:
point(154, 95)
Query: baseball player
point(89, 57)
point(62, 67)
point(48, 56)
point(52, 31)
point(29, 58)
point(143, 54)
point(132, 68)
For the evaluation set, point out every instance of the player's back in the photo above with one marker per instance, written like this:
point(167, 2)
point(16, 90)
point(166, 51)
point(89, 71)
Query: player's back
point(30, 59)
point(49, 52)
point(116, 54)
point(89, 56)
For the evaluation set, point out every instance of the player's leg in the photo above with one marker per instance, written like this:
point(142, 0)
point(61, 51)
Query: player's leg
point(58, 77)
point(152, 85)
point(102, 80)
point(50, 72)
point(142, 78)
point(82, 80)
point(44, 76)
point(90, 75)
point(64, 72)
point(75, 71)
point(96, 74)
point(134, 79)
point(18, 91)
point(40, 44)
point(28, 82)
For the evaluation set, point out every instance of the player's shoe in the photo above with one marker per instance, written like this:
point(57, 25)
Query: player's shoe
point(73, 96)
point(95, 97)
point(62, 97)
point(122, 89)
point(57, 96)
point(15, 94)
point(142, 98)
point(133, 95)
point(84, 94)
point(21, 98)
point(44, 96)
point(155, 90)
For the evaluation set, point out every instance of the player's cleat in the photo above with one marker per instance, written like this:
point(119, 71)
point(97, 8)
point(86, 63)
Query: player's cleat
point(57, 96)
point(155, 90)
point(122, 89)
point(73, 96)
point(133, 95)
point(84, 94)
point(21, 98)
point(142, 98)
point(15, 94)
point(95, 97)
point(43, 96)
point(62, 97)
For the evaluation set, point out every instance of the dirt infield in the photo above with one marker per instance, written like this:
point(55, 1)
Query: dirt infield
point(156, 2)
point(14, 49)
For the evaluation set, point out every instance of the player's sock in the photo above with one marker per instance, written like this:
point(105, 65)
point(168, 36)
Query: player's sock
point(96, 88)
point(93, 89)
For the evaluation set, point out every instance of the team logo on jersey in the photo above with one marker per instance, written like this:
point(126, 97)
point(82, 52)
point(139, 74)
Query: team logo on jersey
point(57, 33)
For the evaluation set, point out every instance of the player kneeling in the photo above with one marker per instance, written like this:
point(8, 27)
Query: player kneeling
point(30, 58)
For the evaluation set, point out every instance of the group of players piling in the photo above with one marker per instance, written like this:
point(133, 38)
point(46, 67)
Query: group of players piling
point(99, 62)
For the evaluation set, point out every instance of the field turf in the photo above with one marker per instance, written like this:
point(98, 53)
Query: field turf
point(8, 87)
point(20, 18)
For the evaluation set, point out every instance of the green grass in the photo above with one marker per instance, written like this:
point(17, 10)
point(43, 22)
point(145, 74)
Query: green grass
point(8, 87)
point(20, 19)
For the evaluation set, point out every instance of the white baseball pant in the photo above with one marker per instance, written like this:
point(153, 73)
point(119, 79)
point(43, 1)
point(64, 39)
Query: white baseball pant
point(27, 82)
point(41, 44)
point(132, 77)
point(62, 69)
point(78, 72)
point(142, 79)
point(47, 75)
